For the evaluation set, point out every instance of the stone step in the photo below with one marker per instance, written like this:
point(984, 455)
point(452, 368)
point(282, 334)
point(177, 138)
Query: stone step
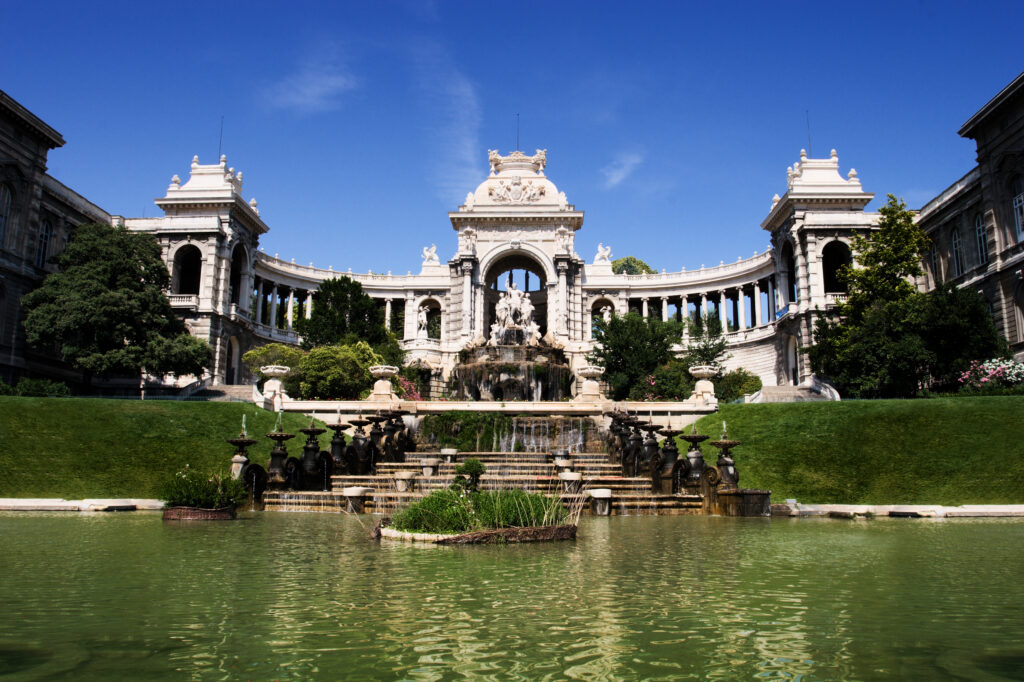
point(388, 502)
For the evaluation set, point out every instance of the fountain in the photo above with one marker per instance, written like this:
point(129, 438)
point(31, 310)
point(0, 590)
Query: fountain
point(361, 452)
point(316, 466)
point(674, 468)
point(515, 363)
point(719, 486)
point(695, 458)
point(338, 446)
point(252, 475)
point(277, 476)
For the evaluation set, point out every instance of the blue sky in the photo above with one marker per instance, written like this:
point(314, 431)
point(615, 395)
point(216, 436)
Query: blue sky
point(359, 125)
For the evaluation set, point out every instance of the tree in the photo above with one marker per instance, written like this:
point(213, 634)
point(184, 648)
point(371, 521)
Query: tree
point(334, 372)
point(707, 345)
point(279, 354)
point(342, 313)
point(888, 340)
point(105, 311)
point(631, 347)
point(629, 265)
point(887, 258)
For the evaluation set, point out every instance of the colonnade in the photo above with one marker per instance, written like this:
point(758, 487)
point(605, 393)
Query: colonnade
point(271, 297)
point(733, 304)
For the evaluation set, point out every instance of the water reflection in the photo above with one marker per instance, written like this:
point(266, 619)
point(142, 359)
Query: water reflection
point(294, 596)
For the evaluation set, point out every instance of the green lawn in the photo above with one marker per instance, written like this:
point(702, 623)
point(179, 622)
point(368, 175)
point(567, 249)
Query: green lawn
point(75, 447)
point(942, 451)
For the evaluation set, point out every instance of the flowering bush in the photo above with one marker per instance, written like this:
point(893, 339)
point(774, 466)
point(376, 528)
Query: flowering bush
point(407, 389)
point(993, 373)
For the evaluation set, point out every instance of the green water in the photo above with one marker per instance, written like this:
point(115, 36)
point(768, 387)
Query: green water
point(301, 596)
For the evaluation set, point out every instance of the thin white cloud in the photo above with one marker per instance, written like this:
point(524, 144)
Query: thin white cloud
point(621, 167)
point(453, 116)
point(316, 85)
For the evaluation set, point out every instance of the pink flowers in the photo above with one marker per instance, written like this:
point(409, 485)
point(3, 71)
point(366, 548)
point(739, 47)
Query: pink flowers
point(993, 372)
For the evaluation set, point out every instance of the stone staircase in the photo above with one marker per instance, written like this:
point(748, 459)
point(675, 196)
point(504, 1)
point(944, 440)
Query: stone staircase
point(533, 472)
point(789, 394)
point(238, 393)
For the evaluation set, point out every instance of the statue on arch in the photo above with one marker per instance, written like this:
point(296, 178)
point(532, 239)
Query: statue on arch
point(430, 255)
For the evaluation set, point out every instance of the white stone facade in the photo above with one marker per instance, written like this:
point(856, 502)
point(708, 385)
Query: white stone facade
point(516, 220)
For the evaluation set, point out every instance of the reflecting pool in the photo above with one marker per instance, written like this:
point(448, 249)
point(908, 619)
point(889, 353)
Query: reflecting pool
point(300, 596)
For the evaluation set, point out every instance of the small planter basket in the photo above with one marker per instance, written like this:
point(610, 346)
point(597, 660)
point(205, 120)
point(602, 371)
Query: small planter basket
point(196, 514)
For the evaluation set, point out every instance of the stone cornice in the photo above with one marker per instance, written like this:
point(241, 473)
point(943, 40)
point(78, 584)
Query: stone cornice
point(33, 123)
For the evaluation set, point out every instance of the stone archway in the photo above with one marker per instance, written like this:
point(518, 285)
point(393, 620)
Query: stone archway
point(232, 368)
point(792, 362)
point(600, 308)
point(527, 275)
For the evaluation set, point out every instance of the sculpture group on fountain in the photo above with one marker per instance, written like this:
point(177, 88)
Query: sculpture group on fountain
point(513, 319)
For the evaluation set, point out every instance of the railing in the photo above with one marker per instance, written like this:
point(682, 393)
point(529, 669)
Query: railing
point(836, 299)
point(190, 301)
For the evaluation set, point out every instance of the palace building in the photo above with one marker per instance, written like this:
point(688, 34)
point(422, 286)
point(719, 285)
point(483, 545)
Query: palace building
point(516, 232)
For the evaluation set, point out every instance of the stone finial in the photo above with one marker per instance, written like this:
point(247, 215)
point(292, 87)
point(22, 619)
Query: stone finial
point(239, 176)
point(833, 154)
point(175, 180)
point(195, 160)
point(776, 199)
point(253, 203)
point(223, 159)
point(803, 154)
point(852, 174)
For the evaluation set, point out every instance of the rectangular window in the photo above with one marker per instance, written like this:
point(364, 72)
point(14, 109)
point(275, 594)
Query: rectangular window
point(1018, 214)
point(958, 254)
point(981, 236)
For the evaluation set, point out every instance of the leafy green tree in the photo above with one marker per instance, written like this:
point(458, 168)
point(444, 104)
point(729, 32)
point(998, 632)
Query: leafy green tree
point(334, 372)
point(630, 265)
point(887, 257)
point(279, 354)
point(707, 344)
point(630, 347)
point(105, 311)
point(888, 340)
point(342, 313)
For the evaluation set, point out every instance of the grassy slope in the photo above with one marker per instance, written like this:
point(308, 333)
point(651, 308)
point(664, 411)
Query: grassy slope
point(74, 448)
point(942, 451)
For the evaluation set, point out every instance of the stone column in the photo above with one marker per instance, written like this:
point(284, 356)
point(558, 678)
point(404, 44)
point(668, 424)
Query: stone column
point(387, 314)
point(290, 313)
point(644, 301)
point(664, 308)
point(722, 316)
point(704, 305)
point(261, 296)
point(562, 313)
point(410, 316)
point(741, 313)
point(273, 305)
point(309, 304)
point(773, 303)
point(467, 299)
point(757, 304)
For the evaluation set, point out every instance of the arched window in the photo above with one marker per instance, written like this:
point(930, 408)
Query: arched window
point(5, 211)
point(981, 237)
point(834, 256)
point(957, 257)
point(43, 243)
point(1018, 206)
point(188, 270)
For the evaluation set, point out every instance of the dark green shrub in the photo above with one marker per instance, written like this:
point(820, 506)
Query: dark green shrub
point(467, 475)
point(6, 389)
point(190, 488)
point(42, 388)
point(732, 386)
